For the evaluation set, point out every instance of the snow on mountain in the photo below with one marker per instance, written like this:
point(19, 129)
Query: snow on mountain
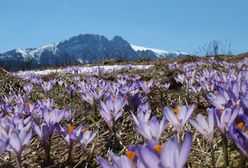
point(38, 51)
point(159, 53)
point(22, 52)
point(84, 48)
point(139, 48)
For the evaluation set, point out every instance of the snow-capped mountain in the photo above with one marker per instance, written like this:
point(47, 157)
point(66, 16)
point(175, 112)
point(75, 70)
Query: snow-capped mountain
point(87, 48)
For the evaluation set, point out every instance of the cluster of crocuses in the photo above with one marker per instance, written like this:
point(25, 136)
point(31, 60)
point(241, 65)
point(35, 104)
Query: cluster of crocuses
point(229, 99)
point(128, 92)
point(173, 153)
point(49, 85)
point(20, 121)
point(227, 92)
point(152, 155)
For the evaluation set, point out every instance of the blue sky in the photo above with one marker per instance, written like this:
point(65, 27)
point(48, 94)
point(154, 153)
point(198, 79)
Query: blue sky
point(171, 25)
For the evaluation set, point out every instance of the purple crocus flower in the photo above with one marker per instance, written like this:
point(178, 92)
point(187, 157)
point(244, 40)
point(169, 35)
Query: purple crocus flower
point(45, 132)
point(203, 125)
point(238, 132)
point(180, 78)
point(88, 97)
point(207, 85)
point(151, 155)
point(51, 117)
point(244, 100)
point(71, 89)
point(173, 66)
point(195, 89)
point(77, 78)
point(144, 111)
point(19, 136)
point(178, 116)
point(117, 162)
point(223, 119)
point(3, 136)
point(85, 136)
point(67, 114)
point(45, 104)
point(146, 86)
point(18, 140)
point(8, 99)
point(91, 96)
point(133, 95)
point(28, 88)
point(60, 82)
point(112, 109)
point(122, 81)
point(29, 108)
point(69, 134)
point(166, 85)
point(47, 86)
point(148, 155)
point(218, 100)
point(189, 73)
point(3, 145)
point(171, 154)
point(151, 129)
point(20, 99)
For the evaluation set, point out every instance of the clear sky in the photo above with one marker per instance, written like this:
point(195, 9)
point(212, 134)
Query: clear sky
point(171, 25)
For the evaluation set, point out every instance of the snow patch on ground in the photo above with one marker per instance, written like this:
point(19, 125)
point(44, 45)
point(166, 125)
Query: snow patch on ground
point(82, 70)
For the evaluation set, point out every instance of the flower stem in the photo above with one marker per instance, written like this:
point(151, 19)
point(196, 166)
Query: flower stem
point(18, 161)
point(225, 149)
point(71, 96)
point(114, 130)
point(69, 153)
point(212, 154)
point(47, 151)
point(10, 158)
point(180, 137)
point(161, 99)
point(242, 161)
point(47, 154)
point(95, 109)
point(187, 94)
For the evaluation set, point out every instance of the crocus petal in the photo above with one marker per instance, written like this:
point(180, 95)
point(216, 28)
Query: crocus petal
point(171, 117)
point(211, 119)
point(15, 145)
point(168, 152)
point(196, 125)
point(154, 127)
point(37, 130)
point(103, 163)
point(185, 150)
point(27, 138)
point(149, 158)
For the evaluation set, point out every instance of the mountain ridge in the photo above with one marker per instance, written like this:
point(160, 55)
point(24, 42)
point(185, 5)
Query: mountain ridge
point(84, 48)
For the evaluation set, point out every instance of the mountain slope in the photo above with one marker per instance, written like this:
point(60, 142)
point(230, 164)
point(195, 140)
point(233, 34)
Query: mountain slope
point(86, 48)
